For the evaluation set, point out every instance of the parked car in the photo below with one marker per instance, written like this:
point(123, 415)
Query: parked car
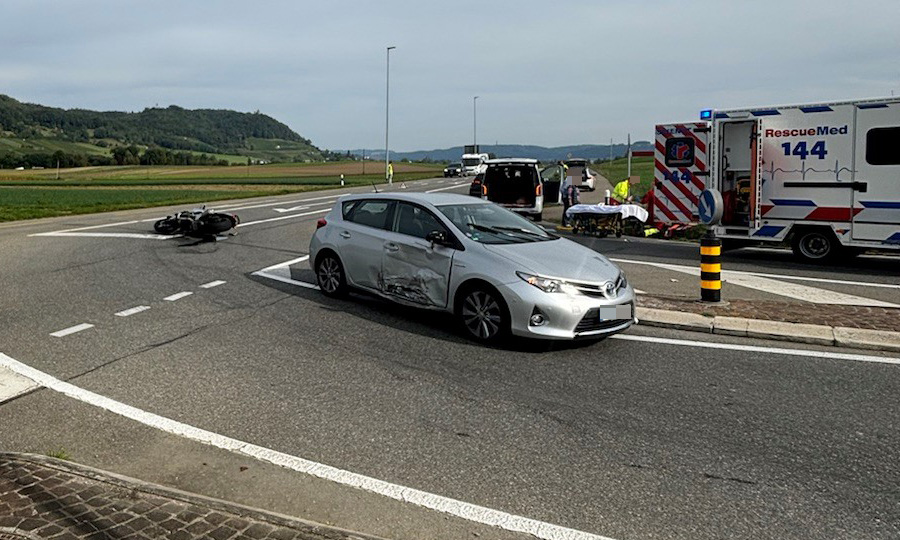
point(452, 170)
point(497, 272)
point(475, 189)
point(580, 174)
point(515, 184)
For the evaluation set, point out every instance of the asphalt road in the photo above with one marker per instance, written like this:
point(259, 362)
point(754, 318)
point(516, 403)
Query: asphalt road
point(625, 438)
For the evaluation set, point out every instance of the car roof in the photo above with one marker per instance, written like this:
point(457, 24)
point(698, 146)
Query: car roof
point(436, 199)
point(523, 161)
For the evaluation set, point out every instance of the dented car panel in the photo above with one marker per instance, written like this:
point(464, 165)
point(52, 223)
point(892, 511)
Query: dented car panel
point(430, 250)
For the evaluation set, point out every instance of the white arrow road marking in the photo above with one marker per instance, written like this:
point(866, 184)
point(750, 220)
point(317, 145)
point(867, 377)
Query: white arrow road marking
point(292, 209)
point(791, 290)
point(282, 272)
point(453, 507)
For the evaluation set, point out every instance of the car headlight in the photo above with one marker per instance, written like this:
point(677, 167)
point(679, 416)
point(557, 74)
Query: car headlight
point(546, 284)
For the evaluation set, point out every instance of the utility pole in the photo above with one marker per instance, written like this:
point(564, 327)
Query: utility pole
point(629, 155)
point(475, 123)
point(387, 115)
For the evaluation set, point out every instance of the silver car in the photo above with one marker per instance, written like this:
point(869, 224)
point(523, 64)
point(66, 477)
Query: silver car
point(496, 271)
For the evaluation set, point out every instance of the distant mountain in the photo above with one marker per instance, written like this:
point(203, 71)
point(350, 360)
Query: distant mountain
point(172, 128)
point(542, 153)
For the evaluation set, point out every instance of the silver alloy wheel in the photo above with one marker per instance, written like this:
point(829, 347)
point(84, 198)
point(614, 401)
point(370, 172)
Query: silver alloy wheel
point(482, 315)
point(329, 275)
point(815, 245)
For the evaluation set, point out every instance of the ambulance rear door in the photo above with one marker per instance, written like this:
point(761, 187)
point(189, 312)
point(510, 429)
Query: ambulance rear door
point(681, 170)
point(876, 186)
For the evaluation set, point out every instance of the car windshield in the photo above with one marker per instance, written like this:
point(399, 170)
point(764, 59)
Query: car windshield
point(492, 224)
point(471, 162)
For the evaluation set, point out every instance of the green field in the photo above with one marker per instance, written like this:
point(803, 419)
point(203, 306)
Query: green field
point(37, 194)
point(617, 170)
point(29, 203)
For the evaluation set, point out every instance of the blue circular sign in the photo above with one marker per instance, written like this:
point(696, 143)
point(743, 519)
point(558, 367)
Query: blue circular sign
point(710, 207)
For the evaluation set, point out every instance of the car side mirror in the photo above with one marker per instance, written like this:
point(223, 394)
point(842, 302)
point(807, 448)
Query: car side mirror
point(437, 237)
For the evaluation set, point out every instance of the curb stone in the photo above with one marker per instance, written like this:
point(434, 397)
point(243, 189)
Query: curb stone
point(134, 492)
point(856, 338)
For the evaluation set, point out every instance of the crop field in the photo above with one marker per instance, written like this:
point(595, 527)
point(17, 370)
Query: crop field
point(617, 170)
point(39, 193)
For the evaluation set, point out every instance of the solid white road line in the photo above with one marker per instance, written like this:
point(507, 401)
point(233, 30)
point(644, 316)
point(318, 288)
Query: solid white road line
point(790, 290)
point(131, 311)
point(454, 186)
point(807, 353)
point(248, 223)
point(111, 235)
point(86, 228)
point(212, 284)
point(12, 384)
point(281, 272)
point(453, 507)
point(72, 330)
point(784, 276)
point(177, 296)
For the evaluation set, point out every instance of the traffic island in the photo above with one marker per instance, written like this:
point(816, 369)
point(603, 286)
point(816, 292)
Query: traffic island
point(42, 497)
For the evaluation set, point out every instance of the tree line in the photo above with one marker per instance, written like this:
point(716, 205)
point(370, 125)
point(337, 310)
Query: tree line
point(121, 155)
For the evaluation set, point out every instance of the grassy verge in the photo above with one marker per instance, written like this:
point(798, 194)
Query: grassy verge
point(617, 170)
point(31, 203)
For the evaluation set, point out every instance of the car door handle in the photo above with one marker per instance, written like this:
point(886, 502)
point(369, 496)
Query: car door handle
point(345, 234)
point(392, 247)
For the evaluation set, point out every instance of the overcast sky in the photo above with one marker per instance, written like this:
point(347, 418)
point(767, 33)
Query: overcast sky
point(549, 73)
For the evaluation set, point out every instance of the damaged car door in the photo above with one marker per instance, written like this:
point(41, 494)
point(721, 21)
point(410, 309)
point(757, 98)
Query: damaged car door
point(362, 237)
point(417, 257)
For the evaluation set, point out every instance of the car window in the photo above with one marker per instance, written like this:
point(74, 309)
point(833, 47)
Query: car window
point(374, 213)
point(416, 221)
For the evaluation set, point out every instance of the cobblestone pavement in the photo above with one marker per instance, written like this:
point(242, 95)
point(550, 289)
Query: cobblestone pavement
point(872, 318)
point(45, 498)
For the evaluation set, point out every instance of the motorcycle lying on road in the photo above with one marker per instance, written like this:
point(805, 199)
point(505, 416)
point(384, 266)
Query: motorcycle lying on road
point(199, 222)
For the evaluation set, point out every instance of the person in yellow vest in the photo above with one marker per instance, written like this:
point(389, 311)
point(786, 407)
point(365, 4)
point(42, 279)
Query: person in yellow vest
point(620, 192)
point(390, 172)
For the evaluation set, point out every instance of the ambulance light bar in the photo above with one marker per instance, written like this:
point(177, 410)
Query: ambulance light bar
point(706, 114)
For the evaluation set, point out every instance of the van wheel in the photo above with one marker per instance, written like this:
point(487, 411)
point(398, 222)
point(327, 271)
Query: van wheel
point(814, 245)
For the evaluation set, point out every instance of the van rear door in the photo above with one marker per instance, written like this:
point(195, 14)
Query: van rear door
point(876, 186)
point(680, 171)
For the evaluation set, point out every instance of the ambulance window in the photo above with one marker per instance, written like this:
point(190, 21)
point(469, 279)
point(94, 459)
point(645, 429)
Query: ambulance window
point(883, 146)
point(680, 152)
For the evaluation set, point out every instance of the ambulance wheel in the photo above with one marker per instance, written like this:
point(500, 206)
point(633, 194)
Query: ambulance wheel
point(814, 245)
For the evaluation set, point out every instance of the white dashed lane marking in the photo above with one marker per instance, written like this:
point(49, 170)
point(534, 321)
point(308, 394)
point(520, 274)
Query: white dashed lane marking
point(131, 311)
point(212, 284)
point(72, 330)
point(177, 296)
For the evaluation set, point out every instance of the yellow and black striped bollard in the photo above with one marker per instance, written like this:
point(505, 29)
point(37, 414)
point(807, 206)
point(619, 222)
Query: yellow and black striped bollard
point(710, 267)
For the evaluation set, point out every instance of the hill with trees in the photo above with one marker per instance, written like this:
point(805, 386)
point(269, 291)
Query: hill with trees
point(36, 135)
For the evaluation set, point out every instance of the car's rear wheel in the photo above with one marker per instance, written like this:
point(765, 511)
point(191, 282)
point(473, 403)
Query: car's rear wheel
point(483, 314)
point(330, 275)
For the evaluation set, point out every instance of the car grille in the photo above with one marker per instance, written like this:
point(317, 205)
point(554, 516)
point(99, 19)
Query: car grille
point(591, 322)
point(590, 289)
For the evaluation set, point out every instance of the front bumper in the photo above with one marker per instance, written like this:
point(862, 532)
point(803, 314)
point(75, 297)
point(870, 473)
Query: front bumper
point(568, 316)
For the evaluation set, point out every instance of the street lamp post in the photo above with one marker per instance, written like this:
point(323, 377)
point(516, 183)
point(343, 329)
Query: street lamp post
point(475, 124)
point(387, 116)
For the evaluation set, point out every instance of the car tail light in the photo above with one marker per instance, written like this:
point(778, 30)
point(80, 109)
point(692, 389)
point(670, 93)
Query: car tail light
point(321, 223)
point(539, 189)
point(484, 189)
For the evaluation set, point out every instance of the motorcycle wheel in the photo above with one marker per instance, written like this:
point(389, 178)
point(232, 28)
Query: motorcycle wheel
point(216, 223)
point(166, 226)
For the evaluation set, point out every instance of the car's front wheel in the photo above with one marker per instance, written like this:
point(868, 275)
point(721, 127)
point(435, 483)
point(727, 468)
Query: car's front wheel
point(483, 314)
point(330, 275)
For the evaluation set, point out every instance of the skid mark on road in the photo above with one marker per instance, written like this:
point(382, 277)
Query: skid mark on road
point(771, 283)
point(453, 507)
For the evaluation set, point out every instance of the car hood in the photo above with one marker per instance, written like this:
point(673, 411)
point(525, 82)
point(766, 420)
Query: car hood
point(559, 258)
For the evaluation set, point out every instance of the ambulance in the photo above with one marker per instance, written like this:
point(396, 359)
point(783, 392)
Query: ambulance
point(824, 177)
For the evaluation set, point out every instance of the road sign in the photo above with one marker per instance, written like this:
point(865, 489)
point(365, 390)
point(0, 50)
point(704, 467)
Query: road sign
point(710, 207)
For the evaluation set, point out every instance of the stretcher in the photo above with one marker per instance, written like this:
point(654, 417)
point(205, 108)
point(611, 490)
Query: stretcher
point(604, 219)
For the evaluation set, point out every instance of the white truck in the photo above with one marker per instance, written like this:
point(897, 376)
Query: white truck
point(823, 176)
point(473, 164)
